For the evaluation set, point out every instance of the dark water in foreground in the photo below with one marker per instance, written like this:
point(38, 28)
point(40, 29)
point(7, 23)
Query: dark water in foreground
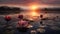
point(51, 26)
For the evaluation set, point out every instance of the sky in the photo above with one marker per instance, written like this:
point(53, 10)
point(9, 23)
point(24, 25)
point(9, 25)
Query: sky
point(29, 1)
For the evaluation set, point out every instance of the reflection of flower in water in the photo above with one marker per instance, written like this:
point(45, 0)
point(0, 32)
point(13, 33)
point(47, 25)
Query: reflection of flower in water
point(33, 32)
point(41, 30)
point(29, 26)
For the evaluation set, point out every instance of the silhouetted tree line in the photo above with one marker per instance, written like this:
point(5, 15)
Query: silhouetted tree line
point(9, 10)
point(51, 10)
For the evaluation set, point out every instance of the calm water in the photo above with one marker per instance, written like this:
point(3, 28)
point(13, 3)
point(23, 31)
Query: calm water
point(51, 26)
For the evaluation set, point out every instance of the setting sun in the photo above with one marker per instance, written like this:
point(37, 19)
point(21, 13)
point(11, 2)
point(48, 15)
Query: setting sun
point(33, 7)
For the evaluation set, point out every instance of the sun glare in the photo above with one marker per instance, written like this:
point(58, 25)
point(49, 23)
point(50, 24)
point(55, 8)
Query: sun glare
point(34, 13)
point(33, 7)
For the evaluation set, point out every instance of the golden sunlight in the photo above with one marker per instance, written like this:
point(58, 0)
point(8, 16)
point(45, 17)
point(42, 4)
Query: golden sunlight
point(34, 13)
point(33, 7)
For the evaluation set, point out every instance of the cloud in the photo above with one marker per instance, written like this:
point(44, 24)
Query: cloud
point(29, 1)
